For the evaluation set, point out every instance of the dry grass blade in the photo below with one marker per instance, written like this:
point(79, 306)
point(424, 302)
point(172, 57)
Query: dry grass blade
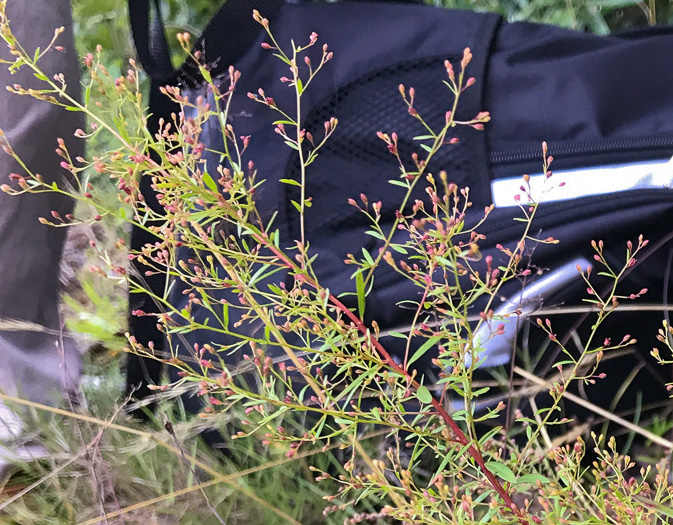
point(598, 410)
point(218, 477)
point(187, 490)
point(18, 325)
point(61, 467)
point(228, 479)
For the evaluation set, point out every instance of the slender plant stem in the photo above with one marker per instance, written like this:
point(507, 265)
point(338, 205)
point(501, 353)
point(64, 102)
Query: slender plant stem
point(389, 361)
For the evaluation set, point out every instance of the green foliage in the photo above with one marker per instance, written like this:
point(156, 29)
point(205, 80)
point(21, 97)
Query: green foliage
point(97, 315)
point(104, 467)
point(598, 16)
point(105, 23)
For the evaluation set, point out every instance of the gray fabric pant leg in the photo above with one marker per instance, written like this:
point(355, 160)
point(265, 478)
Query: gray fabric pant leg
point(35, 364)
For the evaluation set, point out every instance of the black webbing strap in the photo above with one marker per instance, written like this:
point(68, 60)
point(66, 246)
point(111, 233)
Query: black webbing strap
point(150, 40)
point(229, 35)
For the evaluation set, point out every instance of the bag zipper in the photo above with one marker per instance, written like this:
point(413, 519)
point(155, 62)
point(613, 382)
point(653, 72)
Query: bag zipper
point(530, 154)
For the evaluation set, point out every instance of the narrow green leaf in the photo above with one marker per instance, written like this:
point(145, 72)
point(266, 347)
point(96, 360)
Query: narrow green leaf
point(367, 257)
point(362, 300)
point(259, 274)
point(281, 57)
point(432, 341)
point(348, 392)
point(533, 478)
point(445, 262)
point(662, 509)
point(291, 182)
point(399, 249)
point(614, 4)
point(317, 430)
point(311, 158)
point(208, 180)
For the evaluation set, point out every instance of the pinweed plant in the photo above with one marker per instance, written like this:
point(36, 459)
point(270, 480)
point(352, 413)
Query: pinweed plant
point(303, 352)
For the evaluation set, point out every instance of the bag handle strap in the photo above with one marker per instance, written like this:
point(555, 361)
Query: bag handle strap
point(226, 38)
point(150, 40)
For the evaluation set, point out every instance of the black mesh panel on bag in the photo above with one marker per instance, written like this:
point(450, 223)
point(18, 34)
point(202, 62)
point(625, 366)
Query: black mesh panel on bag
point(355, 160)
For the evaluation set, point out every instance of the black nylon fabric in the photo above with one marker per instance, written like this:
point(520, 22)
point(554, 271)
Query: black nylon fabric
point(570, 88)
point(596, 100)
point(574, 87)
point(359, 87)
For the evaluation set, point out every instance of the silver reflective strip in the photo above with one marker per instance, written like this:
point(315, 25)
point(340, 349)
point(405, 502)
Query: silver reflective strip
point(585, 182)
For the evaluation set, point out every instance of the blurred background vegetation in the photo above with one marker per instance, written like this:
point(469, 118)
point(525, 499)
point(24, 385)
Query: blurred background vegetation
point(105, 22)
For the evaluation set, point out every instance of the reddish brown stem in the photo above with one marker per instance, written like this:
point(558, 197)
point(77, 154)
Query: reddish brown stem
point(441, 411)
point(385, 356)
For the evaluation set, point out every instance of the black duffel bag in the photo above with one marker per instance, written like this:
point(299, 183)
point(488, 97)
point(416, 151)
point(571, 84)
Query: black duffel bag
point(603, 104)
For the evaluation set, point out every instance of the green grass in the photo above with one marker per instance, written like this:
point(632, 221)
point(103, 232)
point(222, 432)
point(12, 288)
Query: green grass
point(104, 464)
